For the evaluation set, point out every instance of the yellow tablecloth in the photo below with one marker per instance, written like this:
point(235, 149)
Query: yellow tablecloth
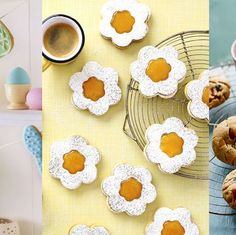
point(87, 205)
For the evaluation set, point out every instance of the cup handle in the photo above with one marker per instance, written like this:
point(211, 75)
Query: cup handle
point(45, 64)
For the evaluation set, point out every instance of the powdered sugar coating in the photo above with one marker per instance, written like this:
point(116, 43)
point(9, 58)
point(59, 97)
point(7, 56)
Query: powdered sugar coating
point(163, 215)
point(139, 11)
point(111, 188)
point(112, 91)
point(85, 230)
point(194, 90)
point(166, 88)
point(154, 153)
point(87, 175)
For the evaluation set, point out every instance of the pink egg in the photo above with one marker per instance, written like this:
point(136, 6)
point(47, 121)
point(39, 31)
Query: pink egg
point(34, 99)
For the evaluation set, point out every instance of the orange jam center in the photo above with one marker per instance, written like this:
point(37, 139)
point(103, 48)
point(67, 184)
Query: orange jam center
point(205, 95)
point(158, 70)
point(73, 162)
point(172, 228)
point(122, 22)
point(131, 189)
point(93, 89)
point(171, 144)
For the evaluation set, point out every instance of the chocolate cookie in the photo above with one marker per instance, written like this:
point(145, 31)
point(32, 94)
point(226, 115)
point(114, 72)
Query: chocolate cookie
point(224, 141)
point(229, 189)
point(219, 91)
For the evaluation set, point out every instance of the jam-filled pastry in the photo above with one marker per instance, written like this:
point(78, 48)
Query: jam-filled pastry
point(170, 145)
point(124, 21)
point(224, 141)
point(73, 161)
point(197, 91)
point(129, 189)
point(172, 222)
point(85, 230)
point(158, 71)
point(95, 88)
point(229, 189)
point(219, 90)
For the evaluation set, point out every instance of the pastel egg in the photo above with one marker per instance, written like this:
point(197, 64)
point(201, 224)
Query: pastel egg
point(34, 99)
point(18, 76)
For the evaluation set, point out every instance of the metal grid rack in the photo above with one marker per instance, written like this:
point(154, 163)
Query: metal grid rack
point(218, 169)
point(141, 112)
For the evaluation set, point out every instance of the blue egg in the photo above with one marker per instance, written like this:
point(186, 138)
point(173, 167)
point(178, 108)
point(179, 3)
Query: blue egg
point(18, 76)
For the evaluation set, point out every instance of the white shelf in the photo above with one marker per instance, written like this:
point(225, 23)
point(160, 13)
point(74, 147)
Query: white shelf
point(20, 117)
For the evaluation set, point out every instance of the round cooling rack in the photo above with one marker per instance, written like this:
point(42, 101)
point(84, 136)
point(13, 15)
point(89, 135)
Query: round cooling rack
point(218, 169)
point(141, 112)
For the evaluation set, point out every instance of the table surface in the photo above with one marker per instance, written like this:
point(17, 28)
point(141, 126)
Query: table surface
point(87, 205)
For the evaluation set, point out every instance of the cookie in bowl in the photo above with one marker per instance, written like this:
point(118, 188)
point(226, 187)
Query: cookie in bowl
point(129, 189)
point(170, 145)
point(229, 189)
point(95, 88)
point(219, 90)
point(73, 161)
point(158, 71)
point(124, 21)
point(85, 230)
point(172, 222)
point(224, 141)
point(197, 91)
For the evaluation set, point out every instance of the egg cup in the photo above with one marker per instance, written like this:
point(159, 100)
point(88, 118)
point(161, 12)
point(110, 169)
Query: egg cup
point(16, 95)
point(129, 190)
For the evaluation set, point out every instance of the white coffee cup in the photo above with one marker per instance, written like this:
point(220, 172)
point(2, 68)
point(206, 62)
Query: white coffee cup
point(68, 20)
point(233, 51)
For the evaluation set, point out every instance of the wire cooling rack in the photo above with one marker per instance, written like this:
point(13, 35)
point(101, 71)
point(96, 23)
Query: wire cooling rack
point(218, 169)
point(141, 112)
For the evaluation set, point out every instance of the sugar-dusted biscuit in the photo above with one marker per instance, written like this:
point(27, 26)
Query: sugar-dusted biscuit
point(197, 91)
point(129, 189)
point(124, 21)
point(158, 71)
point(95, 88)
point(172, 222)
point(73, 161)
point(170, 145)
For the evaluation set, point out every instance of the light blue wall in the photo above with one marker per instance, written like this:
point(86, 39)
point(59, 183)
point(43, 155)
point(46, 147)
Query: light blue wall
point(222, 29)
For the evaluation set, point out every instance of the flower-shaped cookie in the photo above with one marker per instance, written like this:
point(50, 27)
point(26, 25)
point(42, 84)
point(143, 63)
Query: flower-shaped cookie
point(85, 230)
point(167, 222)
point(129, 189)
point(197, 91)
point(170, 145)
point(73, 161)
point(95, 88)
point(124, 21)
point(158, 71)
